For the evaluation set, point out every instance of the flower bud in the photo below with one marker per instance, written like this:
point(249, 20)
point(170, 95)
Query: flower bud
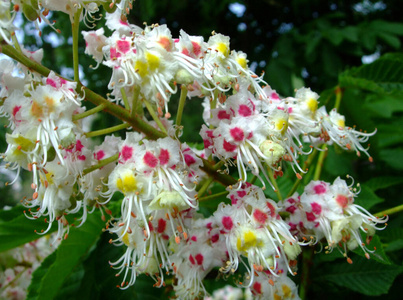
point(273, 151)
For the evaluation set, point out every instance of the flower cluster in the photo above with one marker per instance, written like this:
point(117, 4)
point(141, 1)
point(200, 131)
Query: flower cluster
point(327, 211)
point(159, 180)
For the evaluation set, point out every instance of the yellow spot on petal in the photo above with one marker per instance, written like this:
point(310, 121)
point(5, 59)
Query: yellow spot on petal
point(223, 48)
point(153, 61)
point(127, 184)
point(286, 290)
point(242, 62)
point(125, 239)
point(141, 68)
point(282, 125)
point(36, 109)
point(312, 104)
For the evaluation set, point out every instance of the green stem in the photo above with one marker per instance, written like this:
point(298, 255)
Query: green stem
point(15, 42)
point(224, 179)
point(182, 101)
point(154, 116)
point(319, 164)
point(135, 100)
point(101, 164)
point(212, 197)
point(107, 130)
point(125, 100)
point(75, 33)
point(307, 255)
point(274, 182)
point(205, 186)
point(389, 211)
point(339, 95)
point(307, 163)
point(89, 112)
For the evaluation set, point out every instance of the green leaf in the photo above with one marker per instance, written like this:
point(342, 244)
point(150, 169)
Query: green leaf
point(365, 276)
point(391, 133)
point(384, 105)
point(16, 229)
point(393, 157)
point(367, 198)
point(393, 239)
point(390, 27)
point(379, 255)
point(382, 76)
point(69, 254)
point(379, 183)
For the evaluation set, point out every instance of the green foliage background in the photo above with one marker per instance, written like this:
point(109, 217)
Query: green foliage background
point(318, 44)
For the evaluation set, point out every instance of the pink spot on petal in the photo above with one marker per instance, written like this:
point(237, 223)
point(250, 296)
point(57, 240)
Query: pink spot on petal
point(260, 216)
point(126, 153)
point(164, 157)
point(150, 160)
point(196, 48)
point(222, 114)
point(16, 109)
point(237, 134)
point(191, 259)
point(199, 258)
point(241, 194)
point(257, 287)
point(194, 238)
point(244, 110)
point(215, 238)
point(272, 209)
point(227, 222)
point(316, 208)
point(310, 216)
point(189, 159)
point(79, 146)
point(99, 154)
point(162, 224)
point(319, 188)
point(291, 209)
point(51, 82)
point(342, 201)
point(123, 46)
point(229, 147)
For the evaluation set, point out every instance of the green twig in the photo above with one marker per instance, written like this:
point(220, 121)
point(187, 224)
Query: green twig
point(75, 33)
point(125, 100)
point(274, 182)
point(319, 164)
point(204, 187)
point(154, 116)
point(107, 130)
point(101, 164)
point(89, 112)
point(212, 197)
point(389, 211)
point(182, 101)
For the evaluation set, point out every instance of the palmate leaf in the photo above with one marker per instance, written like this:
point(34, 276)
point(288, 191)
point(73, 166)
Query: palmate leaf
point(382, 76)
point(50, 276)
point(365, 276)
point(16, 229)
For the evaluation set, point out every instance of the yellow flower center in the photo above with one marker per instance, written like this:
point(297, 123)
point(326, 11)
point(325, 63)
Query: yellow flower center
point(312, 104)
point(242, 62)
point(223, 48)
point(247, 240)
point(127, 183)
point(281, 125)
